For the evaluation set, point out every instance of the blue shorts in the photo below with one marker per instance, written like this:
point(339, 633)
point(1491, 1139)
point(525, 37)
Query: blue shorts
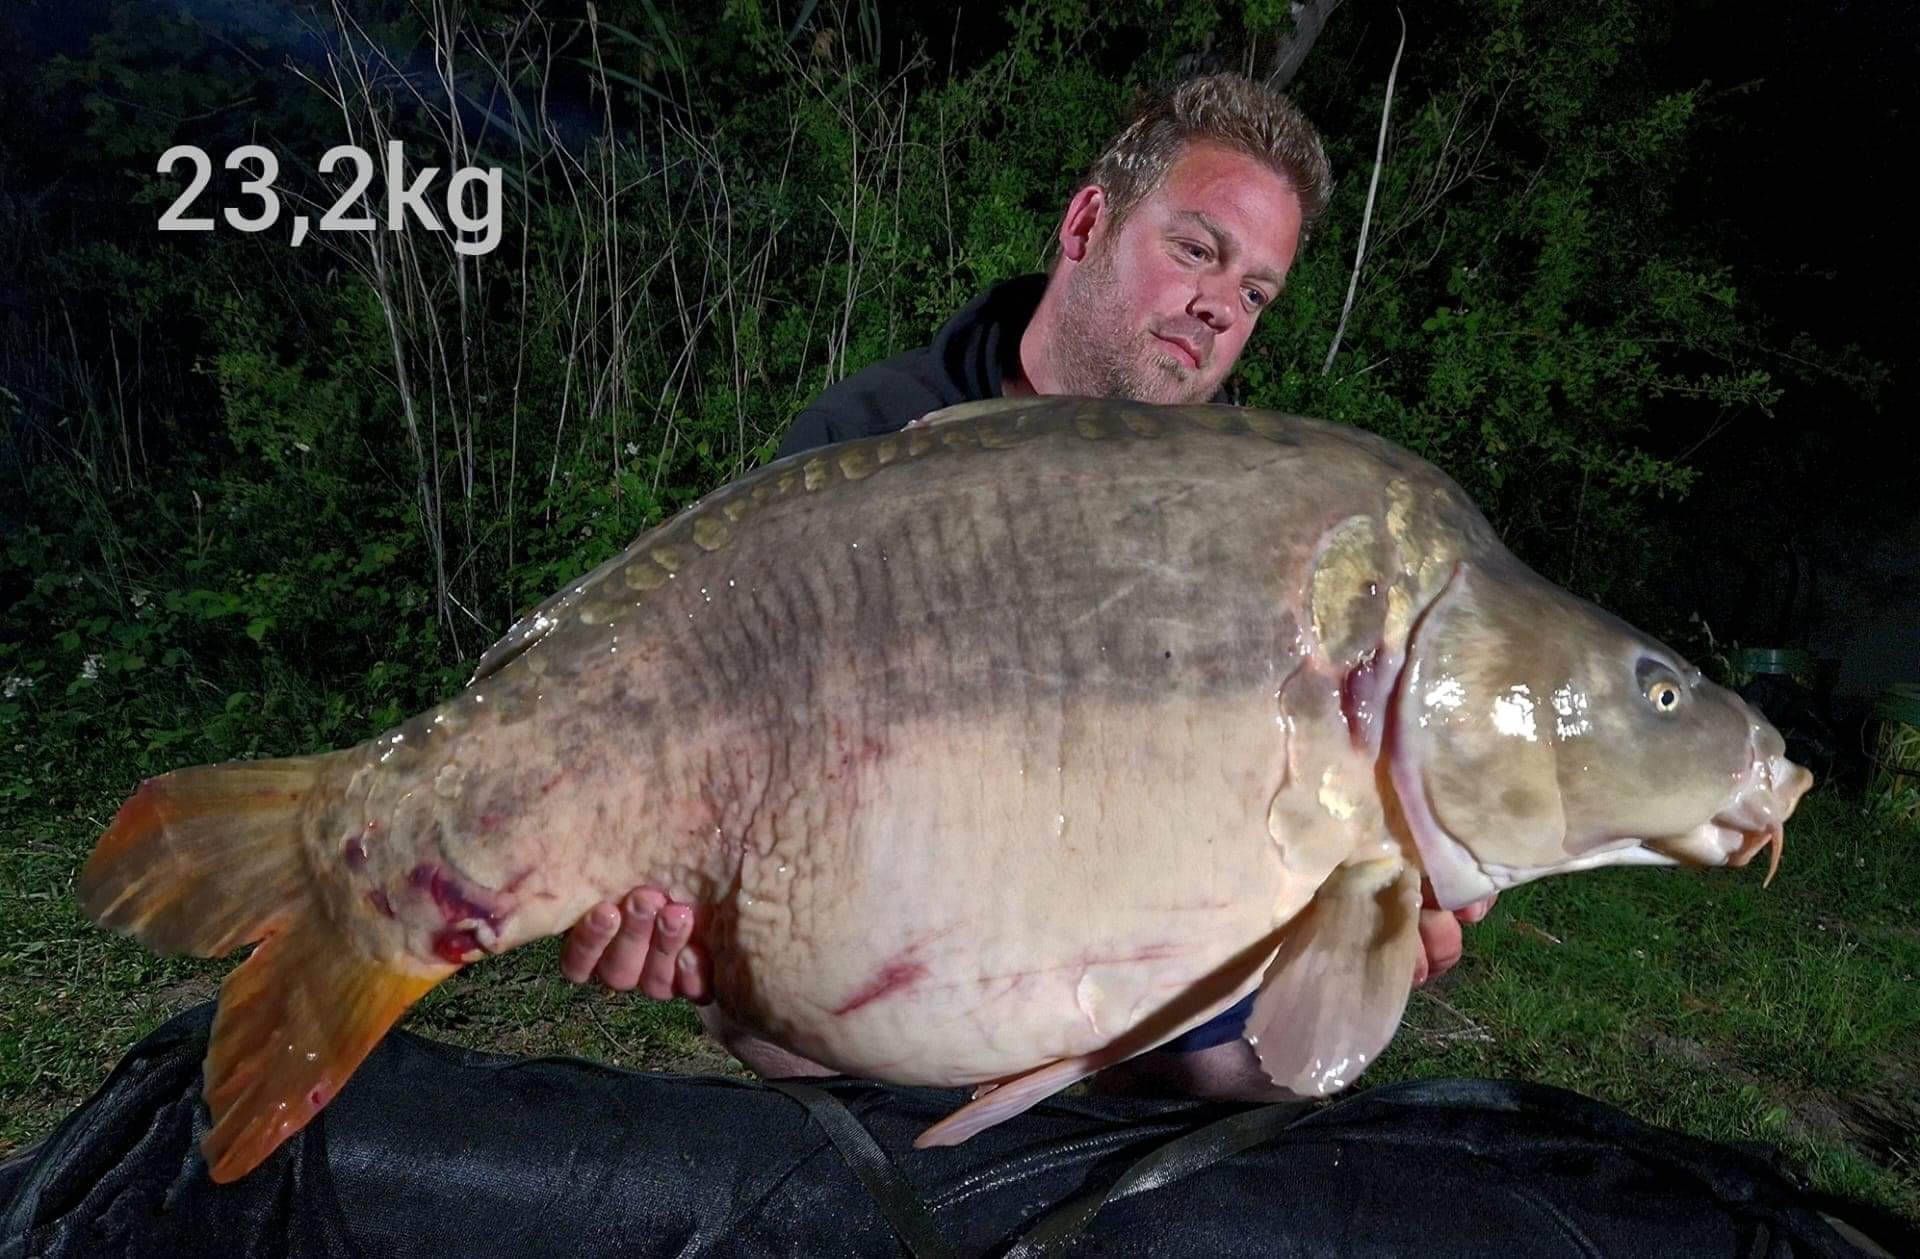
point(1218, 1030)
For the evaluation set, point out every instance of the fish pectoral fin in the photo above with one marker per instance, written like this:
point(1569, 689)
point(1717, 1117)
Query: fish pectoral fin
point(1334, 993)
point(293, 1023)
point(994, 1102)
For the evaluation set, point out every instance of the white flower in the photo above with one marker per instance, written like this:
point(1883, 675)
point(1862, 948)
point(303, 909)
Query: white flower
point(90, 667)
point(139, 599)
point(17, 685)
point(633, 448)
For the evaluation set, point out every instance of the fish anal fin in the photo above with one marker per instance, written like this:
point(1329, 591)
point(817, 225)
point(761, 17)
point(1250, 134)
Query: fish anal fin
point(1335, 992)
point(294, 1022)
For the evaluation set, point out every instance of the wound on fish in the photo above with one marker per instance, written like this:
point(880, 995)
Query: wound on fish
point(893, 977)
point(455, 905)
point(456, 945)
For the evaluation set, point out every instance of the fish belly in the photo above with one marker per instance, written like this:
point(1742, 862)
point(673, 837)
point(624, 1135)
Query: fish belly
point(1012, 892)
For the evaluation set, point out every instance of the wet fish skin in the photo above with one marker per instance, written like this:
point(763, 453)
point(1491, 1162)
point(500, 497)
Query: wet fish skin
point(720, 635)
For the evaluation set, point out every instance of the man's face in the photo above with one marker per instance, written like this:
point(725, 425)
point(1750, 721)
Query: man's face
point(1160, 309)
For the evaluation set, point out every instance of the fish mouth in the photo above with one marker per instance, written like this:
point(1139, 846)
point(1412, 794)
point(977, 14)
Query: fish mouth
point(1769, 792)
point(1723, 841)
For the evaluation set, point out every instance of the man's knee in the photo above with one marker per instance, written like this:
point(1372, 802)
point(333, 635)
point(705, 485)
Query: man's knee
point(1226, 1072)
point(760, 1056)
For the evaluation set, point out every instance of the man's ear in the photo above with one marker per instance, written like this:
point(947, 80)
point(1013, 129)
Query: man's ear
point(1084, 213)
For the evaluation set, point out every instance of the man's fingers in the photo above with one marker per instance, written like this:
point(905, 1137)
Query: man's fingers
point(1439, 944)
point(1478, 910)
point(622, 964)
point(587, 940)
point(643, 942)
point(671, 931)
point(693, 977)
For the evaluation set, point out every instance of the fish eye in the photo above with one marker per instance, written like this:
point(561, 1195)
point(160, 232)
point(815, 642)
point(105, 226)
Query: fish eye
point(1661, 685)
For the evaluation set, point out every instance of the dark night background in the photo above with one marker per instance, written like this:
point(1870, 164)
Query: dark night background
point(1639, 277)
point(1799, 530)
point(1811, 523)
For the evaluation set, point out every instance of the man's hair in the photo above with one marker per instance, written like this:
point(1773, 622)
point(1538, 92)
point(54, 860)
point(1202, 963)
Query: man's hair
point(1222, 109)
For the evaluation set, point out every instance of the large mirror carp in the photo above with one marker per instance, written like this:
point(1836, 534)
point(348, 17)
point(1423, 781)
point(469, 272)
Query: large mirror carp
point(1000, 749)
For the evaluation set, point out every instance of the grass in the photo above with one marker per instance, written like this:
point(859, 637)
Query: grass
point(1789, 1016)
point(1698, 1001)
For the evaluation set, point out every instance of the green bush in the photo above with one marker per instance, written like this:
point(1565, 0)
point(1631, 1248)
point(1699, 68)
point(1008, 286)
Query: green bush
point(274, 498)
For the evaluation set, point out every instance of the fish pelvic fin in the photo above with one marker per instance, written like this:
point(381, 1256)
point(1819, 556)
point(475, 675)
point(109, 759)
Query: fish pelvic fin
point(205, 860)
point(1334, 994)
point(993, 1104)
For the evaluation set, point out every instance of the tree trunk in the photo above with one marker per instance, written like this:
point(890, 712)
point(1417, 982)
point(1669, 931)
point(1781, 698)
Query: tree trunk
point(1308, 17)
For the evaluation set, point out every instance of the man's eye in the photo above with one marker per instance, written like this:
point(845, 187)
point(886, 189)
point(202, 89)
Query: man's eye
point(1256, 299)
point(1199, 253)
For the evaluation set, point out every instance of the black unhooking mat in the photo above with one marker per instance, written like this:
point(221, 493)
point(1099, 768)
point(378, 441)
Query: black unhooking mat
point(436, 1151)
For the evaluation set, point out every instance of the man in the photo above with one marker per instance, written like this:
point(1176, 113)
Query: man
point(1180, 236)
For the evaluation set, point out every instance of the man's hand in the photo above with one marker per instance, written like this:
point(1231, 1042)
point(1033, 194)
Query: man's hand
point(645, 942)
point(1440, 933)
point(648, 942)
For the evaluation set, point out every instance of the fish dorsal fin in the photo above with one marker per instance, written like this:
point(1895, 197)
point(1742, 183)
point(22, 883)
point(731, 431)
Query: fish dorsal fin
point(548, 615)
point(541, 621)
point(981, 408)
point(1334, 993)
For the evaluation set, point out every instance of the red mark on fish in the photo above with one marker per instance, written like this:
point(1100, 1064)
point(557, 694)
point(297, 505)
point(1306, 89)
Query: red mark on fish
point(457, 946)
point(895, 976)
point(455, 905)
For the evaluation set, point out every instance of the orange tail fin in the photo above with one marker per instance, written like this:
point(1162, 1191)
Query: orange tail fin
point(207, 859)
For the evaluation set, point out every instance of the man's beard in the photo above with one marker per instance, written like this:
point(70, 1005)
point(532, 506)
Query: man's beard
point(1096, 358)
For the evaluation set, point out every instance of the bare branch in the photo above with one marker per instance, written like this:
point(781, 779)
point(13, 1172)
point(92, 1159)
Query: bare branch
point(1373, 188)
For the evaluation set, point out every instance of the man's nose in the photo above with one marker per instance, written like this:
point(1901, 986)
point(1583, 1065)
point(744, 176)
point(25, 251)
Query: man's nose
point(1213, 304)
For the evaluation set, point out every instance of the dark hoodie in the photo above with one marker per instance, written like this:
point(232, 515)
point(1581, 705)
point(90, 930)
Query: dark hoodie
point(969, 358)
